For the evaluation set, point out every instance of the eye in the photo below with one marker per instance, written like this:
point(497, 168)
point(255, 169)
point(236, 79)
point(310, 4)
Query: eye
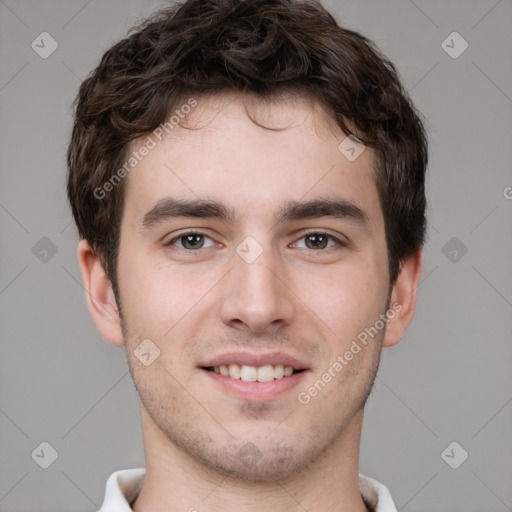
point(317, 240)
point(190, 240)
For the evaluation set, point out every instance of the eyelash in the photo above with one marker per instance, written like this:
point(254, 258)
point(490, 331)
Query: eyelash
point(338, 242)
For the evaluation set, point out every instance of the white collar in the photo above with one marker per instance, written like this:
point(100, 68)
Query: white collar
point(123, 487)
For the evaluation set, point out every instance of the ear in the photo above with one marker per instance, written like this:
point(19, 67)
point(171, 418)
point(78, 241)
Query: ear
point(100, 296)
point(403, 299)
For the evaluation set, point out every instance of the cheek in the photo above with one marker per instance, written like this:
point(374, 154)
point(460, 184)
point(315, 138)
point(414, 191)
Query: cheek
point(148, 294)
point(346, 300)
point(162, 302)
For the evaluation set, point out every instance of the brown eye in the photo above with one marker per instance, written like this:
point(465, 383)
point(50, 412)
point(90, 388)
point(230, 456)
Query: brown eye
point(316, 241)
point(190, 241)
point(319, 241)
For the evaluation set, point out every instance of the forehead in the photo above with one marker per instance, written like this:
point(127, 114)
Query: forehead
point(250, 153)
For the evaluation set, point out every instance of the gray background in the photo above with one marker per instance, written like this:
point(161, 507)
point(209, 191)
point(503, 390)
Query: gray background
point(446, 381)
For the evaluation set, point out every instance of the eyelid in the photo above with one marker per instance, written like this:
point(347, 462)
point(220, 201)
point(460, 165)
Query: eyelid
point(186, 233)
point(339, 240)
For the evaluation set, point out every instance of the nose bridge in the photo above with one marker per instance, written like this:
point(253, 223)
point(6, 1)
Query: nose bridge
point(257, 297)
point(253, 270)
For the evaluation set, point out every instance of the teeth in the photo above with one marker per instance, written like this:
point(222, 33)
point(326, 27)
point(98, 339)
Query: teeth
point(266, 373)
point(279, 371)
point(249, 373)
point(246, 373)
point(234, 371)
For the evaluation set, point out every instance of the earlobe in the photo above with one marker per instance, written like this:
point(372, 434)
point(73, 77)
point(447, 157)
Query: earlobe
point(99, 294)
point(403, 299)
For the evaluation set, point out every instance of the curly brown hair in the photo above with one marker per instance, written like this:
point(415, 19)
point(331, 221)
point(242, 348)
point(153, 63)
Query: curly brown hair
point(261, 47)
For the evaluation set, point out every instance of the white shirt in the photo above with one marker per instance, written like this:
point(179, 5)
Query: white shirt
point(123, 487)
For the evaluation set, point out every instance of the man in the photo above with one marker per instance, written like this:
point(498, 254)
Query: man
point(247, 179)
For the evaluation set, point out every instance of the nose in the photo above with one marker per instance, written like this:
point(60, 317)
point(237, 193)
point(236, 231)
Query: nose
point(257, 297)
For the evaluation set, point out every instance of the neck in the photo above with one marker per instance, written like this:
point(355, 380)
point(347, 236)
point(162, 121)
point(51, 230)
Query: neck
point(175, 481)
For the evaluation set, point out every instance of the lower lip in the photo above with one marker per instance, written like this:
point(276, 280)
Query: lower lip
point(256, 390)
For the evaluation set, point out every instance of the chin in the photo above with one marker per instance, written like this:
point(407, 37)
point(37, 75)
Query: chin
point(250, 464)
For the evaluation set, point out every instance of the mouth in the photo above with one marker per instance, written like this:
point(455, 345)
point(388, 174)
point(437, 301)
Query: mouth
point(255, 376)
point(246, 373)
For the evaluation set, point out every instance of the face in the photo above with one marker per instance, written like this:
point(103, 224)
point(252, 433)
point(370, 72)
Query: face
point(252, 247)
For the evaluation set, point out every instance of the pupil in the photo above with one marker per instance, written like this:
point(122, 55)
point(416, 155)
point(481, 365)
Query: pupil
point(318, 240)
point(190, 240)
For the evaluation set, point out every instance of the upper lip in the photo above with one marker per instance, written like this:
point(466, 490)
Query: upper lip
point(248, 359)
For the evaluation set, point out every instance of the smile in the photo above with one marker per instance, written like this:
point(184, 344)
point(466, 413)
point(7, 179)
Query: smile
point(246, 373)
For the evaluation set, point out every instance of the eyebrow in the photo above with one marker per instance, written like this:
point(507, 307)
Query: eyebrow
point(170, 208)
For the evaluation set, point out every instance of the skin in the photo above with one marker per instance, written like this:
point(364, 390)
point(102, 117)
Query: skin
point(196, 303)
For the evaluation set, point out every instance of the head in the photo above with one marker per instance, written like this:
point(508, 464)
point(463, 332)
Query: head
point(239, 112)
